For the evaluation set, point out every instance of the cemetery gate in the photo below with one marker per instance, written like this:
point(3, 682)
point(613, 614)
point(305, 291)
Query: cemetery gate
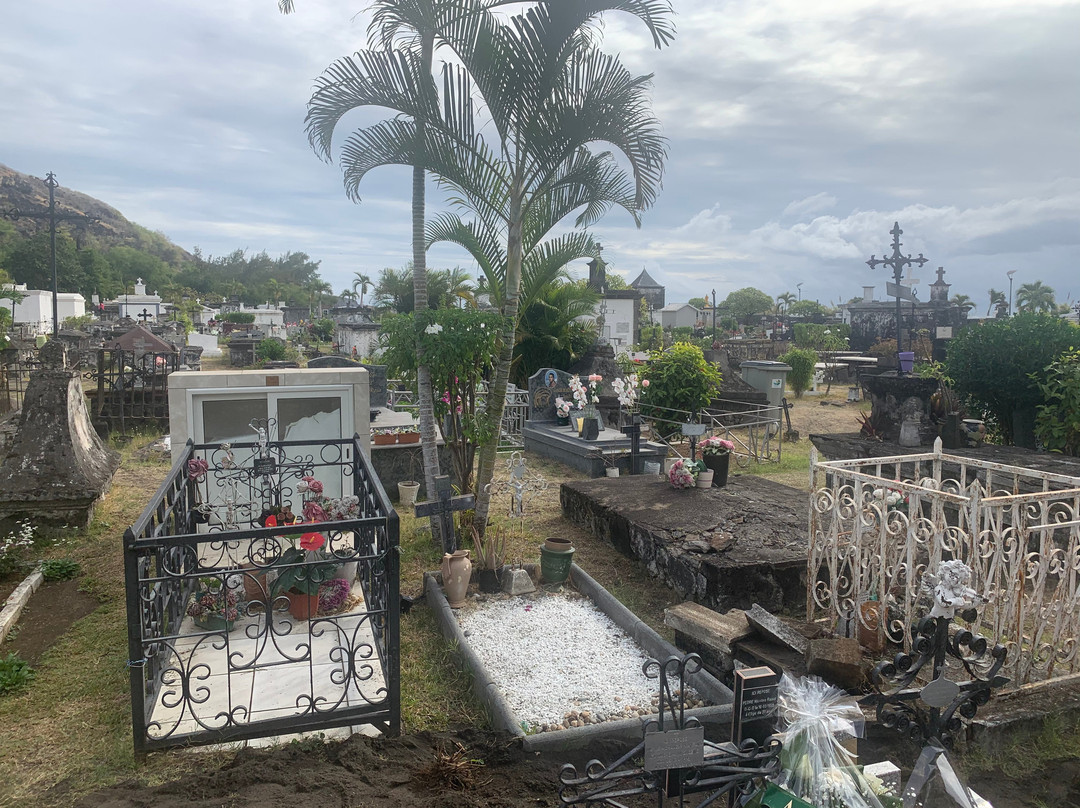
point(243, 624)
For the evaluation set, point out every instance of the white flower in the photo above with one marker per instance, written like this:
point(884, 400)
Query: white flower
point(434, 328)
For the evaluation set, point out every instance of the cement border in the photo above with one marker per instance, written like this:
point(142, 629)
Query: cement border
point(629, 730)
point(17, 601)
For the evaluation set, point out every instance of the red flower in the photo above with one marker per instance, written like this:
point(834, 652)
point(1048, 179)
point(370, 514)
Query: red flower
point(271, 521)
point(312, 541)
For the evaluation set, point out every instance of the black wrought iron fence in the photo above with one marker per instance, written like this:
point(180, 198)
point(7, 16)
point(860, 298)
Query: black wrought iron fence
point(132, 388)
point(245, 624)
point(14, 378)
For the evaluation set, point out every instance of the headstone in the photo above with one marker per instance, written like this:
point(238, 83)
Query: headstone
point(56, 468)
point(754, 712)
point(887, 772)
point(442, 508)
point(377, 385)
point(545, 386)
point(838, 661)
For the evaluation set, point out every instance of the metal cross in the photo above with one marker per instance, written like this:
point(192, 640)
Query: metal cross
point(897, 262)
point(52, 217)
point(522, 483)
point(144, 316)
point(633, 429)
point(443, 507)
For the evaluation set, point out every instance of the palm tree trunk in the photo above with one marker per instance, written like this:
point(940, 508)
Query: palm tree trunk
point(430, 448)
point(496, 399)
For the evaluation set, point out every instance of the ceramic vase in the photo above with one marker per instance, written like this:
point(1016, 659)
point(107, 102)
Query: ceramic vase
point(555, 564)
point(456, 572)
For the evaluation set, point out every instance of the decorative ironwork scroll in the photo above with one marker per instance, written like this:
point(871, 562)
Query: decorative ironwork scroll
point(682, 764)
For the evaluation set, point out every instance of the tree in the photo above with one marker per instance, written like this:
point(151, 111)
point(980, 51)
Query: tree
point(1035, 296)
point(747, 304)
point(348, 295)
point(999, 303)
point(785, 300)
point(363, 282)
point(549, 333)
point(806, 309)
point(963, 302)
point(802, 362)
point(698, 302)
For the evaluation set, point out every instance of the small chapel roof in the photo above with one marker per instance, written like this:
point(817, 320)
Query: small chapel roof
point(644, 280)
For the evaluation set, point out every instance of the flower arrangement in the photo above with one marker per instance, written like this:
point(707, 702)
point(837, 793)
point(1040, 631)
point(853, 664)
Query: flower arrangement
point(562, 407)
point(715, 445)
point(305, 568)
point(320, 508)
point(585, 395)
point(333, 595)
point(215, 599)
point(683, 474)
point(627, 390)
point(894, 500)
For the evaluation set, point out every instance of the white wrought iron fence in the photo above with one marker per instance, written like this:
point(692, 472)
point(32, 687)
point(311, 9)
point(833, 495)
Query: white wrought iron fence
point(877, 525)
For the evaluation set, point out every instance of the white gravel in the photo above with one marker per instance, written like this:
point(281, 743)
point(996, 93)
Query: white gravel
point(555, 655)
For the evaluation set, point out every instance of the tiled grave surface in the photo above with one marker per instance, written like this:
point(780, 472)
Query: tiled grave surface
point(257, 672)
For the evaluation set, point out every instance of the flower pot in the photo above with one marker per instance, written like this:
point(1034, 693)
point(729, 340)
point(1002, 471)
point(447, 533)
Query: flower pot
point(213, 622)
point(302, 606)
point(256, 588)
point(718, 464)
point(562, 420)
point(407, 491)
point(704, 479)
point(555, 565)
point(489, 581)
point(346, 571)
point(456, 572)
point(557, 544)
point(611, 472)
point(907, 361)
point(383, 440)
point(408, 437)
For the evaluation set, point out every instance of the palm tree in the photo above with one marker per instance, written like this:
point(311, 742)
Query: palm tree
point(348, 295)
point(395, 289)
point(550, 333)
point(999, 303)
point(963, 302)
point(1035, 296)
point(550, 94)
point(785, 300)
point(362, 281)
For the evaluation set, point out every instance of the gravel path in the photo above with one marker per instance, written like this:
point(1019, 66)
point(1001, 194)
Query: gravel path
point(560, 660)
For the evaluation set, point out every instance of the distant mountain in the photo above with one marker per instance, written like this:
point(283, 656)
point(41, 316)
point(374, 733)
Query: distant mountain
point(27, 194)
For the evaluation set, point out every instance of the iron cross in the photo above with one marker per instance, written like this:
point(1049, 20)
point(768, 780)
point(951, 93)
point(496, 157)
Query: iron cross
point(443, 507)
point(897, 262)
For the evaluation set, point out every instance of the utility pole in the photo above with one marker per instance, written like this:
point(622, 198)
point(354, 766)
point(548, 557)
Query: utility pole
point(52, 217)
point(714, 316)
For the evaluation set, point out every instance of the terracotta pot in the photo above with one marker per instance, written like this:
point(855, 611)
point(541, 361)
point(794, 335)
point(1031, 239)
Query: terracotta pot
point(383, 440)
point(558, 544)
point(409, 437)
point(301, 605)
point(456, 572)
point(719, 464)
point(256, 589)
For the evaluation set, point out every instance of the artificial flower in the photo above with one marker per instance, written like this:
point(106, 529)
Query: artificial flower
point(312, 541)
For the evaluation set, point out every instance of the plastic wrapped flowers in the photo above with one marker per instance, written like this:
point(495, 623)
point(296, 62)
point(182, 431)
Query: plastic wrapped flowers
point(681, 475)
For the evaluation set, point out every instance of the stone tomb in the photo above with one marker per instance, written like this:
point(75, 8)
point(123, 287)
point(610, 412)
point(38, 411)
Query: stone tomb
point(724, 548)
point(543, 435)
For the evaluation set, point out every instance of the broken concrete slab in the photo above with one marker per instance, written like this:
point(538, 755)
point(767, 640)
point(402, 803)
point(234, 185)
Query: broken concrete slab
point(720, 631)
point(776, 630)
point(838, 661)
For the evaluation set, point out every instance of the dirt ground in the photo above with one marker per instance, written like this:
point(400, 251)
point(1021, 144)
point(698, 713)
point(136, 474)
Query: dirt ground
point(469, 767)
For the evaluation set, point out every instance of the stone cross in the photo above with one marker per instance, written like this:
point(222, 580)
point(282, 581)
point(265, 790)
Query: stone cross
point(144, 315)
point(443, 507)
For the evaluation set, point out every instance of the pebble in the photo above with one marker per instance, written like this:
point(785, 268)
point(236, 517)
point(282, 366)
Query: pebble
point(562, 663)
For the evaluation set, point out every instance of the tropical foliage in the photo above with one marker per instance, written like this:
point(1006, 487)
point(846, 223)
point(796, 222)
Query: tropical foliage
point(992, 363)
point(802, 362)
point(1035, 296)
point(678, 379)
point(549, 333)
point(1057, 424)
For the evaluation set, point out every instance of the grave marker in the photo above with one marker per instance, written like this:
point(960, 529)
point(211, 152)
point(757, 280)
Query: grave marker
point(756, 695)
point(546, 385)
point(443, 507)
point(633, 429)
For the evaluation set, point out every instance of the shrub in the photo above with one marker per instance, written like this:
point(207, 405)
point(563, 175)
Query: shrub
point(238, 317)
point(992, 363)
point(59, 569)
point(271, 350)
point(679, 379)
point(802, 361)
point(1057, 424)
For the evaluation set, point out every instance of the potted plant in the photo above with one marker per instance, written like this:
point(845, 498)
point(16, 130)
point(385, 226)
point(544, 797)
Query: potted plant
point(681, 474)
point(408, 434)
point(383, 436)
point(716, 455)
point(490, 558)
point(214, 606)
point(302, 571)
point(408, 489)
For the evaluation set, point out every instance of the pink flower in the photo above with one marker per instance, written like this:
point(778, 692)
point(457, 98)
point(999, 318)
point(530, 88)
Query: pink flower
point(312, 541)
point(645, 383)
point(314, 512)
point(197, 468)
point(596, 378)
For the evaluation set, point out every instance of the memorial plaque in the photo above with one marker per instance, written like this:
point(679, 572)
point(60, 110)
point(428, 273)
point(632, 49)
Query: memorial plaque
point(754, 712)
point(264, 466)
point(675, 749)
point(546, 385)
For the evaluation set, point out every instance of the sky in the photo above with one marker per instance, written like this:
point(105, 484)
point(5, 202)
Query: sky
point(798, 133)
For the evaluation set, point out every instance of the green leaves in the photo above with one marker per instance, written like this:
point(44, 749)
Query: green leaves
point(1057, 424)
point(680, 379)
point(802, 362)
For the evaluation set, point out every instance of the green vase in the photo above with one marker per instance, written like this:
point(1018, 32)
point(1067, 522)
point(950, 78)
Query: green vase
point(555, 564)
point(213, 622)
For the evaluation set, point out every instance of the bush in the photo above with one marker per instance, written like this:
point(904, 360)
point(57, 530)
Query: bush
point(59, 569)
point(1057, 425)
point(992, 363)
point(802, 361)
point(271, 350)
point(238, 317)
point(679, 379)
